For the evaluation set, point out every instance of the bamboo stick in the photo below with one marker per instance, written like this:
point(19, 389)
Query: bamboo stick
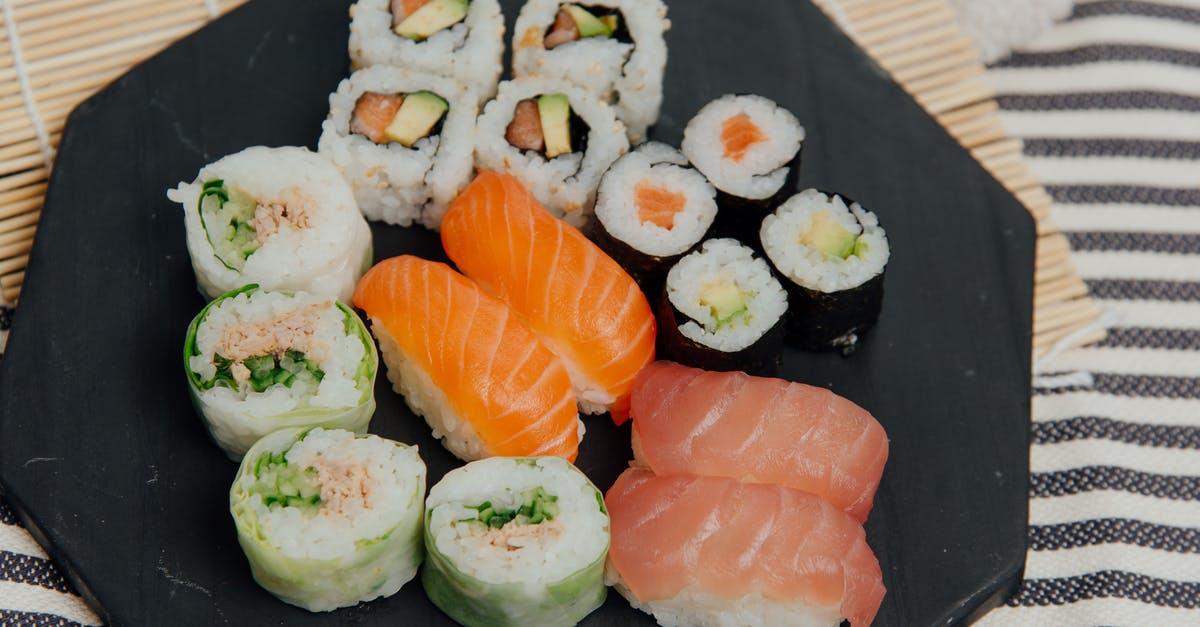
point(22, 163)
point(894, 30)
point(945, 32)
point(23, 193)
point(16, 263)
point(981, 109)
point(12, 295)
point(14, 249)
point(941, 100)
point(1064, 314)
point(942, 79)
point(21, 206)
point(97, 15)
point(57, 54)
point(936, 61)
point(1052, 272)
point(17, 235)
point(20, 179)
point(12, 280)
point(18, 221)
point(21, 149)
point(877, 16)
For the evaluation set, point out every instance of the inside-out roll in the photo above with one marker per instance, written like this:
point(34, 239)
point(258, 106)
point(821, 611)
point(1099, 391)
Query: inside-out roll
point(283, 218)
point(614, 48)
point(328, 519)
point(461, 39)
point(556, 138)
point(260, 361)
point(404, 140)
point(516, 541)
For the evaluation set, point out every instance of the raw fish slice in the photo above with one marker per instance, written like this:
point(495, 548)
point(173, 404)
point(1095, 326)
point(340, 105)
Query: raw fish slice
point(758, 429)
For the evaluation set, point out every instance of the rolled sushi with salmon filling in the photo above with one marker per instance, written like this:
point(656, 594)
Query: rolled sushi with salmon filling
point(651, 209)
point(515, 541)
point(556, 138)
point(283, 218)
point(259, 361)
point(460, 39)
point(749, 147)
point(723, 310)
point(833, 254)
point(614, 48)
point(403, 140)
point(327, 518)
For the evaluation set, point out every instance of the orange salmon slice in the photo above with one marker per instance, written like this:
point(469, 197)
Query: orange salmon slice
point(373, 112)
point(739, 133)
point(658, 205)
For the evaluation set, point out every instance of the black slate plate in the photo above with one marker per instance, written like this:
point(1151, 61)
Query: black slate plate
point(101, 452)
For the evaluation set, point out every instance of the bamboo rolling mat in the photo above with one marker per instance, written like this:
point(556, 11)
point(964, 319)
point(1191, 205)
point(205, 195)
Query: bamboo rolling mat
point(56, 53)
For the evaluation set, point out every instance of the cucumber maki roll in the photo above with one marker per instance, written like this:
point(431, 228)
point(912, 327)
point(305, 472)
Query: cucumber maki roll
point(283, 218)
point(259, 361)
point(723, 310)
point(515, 541)
point(328, 519)
point(833, 254)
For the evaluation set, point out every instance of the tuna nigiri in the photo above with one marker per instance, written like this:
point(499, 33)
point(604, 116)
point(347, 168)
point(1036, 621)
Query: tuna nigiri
point(758, 429)
point(714, 551)
point(462, 360)
point(577, 299)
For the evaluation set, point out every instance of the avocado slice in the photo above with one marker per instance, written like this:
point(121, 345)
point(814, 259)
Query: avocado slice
point(611, 21)
point(725, 300)
point(431, 18)
point(416, 117)
point(589, 25)
point(555, 113)
point(828, 237)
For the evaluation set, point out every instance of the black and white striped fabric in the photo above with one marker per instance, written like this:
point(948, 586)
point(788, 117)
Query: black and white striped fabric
point(1108, 104)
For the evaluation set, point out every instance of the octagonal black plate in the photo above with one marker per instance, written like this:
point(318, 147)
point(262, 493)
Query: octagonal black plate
point(101, 452)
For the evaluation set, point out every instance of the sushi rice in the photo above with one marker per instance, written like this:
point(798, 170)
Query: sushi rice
point(328, 519)
point(516, 541)
point(762, 170)
point(260, 361)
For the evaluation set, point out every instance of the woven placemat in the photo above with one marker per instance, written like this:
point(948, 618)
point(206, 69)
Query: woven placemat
point(55, 53)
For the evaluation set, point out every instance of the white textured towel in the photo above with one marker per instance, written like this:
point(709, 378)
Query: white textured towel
point(999, 26)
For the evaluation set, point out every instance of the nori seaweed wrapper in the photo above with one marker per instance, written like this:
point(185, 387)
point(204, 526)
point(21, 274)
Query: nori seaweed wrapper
point(760, 358)
point(648, 271)
point(832, 321)
point(740, 218)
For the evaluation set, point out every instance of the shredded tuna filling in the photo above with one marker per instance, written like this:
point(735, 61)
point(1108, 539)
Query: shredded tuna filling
point(290, 331)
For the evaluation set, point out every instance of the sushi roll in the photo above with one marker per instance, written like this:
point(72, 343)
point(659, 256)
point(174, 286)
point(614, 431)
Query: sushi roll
point(283, 218)
point(404, 141)
point(515, 542)
point(328, 519)
point(713, 551)
point(465, 362)
point(832, 254)
point(749, 147)
point(461, 39)
point(259, 361)
point(555, 137)
point(575, 298)
point(651, 209)
point(722, 309)
point(614, 48)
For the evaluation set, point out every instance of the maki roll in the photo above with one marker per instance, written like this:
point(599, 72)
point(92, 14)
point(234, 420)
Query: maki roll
point(283, 218)
point(556, 138)
point(651, 209)
point(832, 254)
point(328, 519)
point(461, 39)
point(614, 48)
point(749, 147)
point(722, 309)
point(515, 542)
point(260, 361)
point(403, 140)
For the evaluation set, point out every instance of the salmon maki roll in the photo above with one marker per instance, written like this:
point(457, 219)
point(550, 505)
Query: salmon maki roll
point(758, 429)
point(714, 551)
point(576, 298)
point(467, 364)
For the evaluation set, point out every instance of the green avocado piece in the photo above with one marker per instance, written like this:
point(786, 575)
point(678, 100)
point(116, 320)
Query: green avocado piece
point(828, 237)
point(555, 113)
point(724, 299)
point(589, 25)
point(417, 116)
point(431, 18)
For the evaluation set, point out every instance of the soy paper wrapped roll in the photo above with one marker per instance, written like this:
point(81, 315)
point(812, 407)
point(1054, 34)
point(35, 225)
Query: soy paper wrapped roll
point(516, 541)
point(283, 218)
point(328, 519)
point(260, 361)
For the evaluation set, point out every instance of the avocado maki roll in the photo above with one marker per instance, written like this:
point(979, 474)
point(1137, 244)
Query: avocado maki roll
point(404, 141)
point(723, 310)
point(652, 207)
point(459, 39)
point(749, 148)
point(613, 48)
point(556, 138)
point(258, 361)
point(327, 518)
point(516, 542)
point(283, 218)
point(832, 254)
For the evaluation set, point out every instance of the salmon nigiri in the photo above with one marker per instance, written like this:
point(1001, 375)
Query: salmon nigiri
point(467, 364)
point(577, 299)
point(758, 429)
point(714, 551)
